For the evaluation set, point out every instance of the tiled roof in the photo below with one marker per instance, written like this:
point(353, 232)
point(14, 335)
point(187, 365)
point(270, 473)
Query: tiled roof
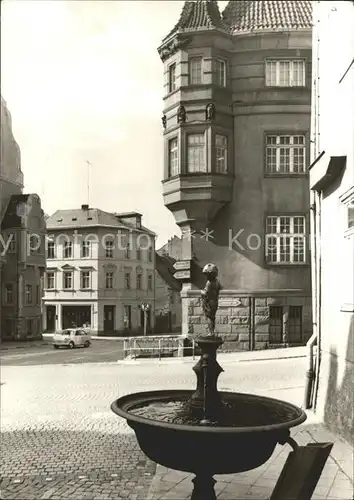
point(80, 218)
point(251, 15)
point(164, 266)
point(201, 14)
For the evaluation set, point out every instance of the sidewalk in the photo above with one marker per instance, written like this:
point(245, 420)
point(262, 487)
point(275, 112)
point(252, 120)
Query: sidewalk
point(230, 357)
point(23, 344)
point(336, 481)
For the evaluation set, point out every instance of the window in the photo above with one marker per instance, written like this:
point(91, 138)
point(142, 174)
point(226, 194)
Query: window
point(196, 161)
point(282, 73)
point(138, 254)
point(109, 280)
point(127, 251)
point(173, 157)
point(28, 292)
point(127, 281)
point(275, 324)
point(68, 249)
point(285, 240)
point(51, 250)
point(9, 294)
point(34, 244)
point(67, 280)
point(150, 282)
point(109, 249)
point(12, 244)
point(347, 199)
point(85, 248)
point(350, 215)
point(295, 324)
point(220, 73)
point(38, 297)
point(85, 280)
point(50, 280)
point(285, 154)
point(195, 70)
point(138, 282)
point(221, 154)
point(172, 77)
point(150, 254)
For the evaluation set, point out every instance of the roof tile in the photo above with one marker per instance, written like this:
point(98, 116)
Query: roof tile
point(200, 14)
point(252, 15)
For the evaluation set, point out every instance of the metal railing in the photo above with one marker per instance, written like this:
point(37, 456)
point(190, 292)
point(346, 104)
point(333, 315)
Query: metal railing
point(157, 346)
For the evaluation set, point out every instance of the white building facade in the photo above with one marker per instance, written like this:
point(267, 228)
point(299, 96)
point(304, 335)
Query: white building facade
point(100, 270)
point(332, 188)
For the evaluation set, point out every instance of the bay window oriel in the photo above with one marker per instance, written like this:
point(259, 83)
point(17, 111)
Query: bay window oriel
point(172, 85)
point(195, 68)
point(220, 72)
point(196, 153)
point(173, 165)
point(221, 153)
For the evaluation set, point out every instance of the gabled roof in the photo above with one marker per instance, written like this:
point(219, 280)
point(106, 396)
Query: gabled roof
point(164, 266)
point(91, 217)
point(199, 15)
point(251, 15)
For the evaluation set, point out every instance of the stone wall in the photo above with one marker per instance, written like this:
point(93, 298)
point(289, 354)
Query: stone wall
point(242, 318)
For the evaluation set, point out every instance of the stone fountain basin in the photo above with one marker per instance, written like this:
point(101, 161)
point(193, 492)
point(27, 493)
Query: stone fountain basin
point(210, 448)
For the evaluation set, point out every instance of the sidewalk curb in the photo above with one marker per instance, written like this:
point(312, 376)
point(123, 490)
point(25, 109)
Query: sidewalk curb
point(272, 359)
point(185, 360)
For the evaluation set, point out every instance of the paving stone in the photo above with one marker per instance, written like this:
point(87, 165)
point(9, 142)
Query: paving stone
point(94, 452)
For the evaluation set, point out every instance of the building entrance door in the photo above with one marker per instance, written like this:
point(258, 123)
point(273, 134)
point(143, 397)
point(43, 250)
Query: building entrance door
point(108, 318)
point(50, 318)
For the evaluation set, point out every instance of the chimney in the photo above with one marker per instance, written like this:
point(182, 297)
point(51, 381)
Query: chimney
point(84, 207)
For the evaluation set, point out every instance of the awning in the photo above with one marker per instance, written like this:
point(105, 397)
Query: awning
point(325, 170)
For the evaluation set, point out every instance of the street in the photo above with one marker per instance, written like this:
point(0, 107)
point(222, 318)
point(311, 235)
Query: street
point(100, 351)
point(61, 440)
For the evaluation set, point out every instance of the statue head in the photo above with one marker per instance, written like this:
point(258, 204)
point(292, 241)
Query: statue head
point(210, 270)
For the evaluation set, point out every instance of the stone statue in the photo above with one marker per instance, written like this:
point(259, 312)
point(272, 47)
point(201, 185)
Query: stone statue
point(210, 112)
point(210, 296)
point(181, 114)
point(164, 121)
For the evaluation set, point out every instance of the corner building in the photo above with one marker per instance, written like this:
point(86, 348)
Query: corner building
point(236, 122)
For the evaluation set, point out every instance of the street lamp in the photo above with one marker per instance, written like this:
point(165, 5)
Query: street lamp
point(145, 307)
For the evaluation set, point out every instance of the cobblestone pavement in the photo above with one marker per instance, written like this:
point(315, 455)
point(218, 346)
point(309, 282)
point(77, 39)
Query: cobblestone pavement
point(60, 440)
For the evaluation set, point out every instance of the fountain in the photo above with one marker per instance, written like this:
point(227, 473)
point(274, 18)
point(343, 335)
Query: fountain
point(207, 432)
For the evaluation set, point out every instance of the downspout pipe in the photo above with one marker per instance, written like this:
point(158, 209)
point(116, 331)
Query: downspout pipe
point(319, 296)
point(310, 373)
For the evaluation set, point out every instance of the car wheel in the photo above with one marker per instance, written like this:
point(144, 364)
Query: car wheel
point(71, 345)
point(87, 344)
point(55, 346)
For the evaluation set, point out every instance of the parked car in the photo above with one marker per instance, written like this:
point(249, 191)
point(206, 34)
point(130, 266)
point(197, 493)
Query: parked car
point(72, 337)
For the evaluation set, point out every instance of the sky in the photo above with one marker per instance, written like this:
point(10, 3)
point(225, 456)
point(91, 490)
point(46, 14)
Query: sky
point(83, 82)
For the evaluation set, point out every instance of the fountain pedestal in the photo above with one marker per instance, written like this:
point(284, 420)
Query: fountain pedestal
point(203, 487)
point(206, 398)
